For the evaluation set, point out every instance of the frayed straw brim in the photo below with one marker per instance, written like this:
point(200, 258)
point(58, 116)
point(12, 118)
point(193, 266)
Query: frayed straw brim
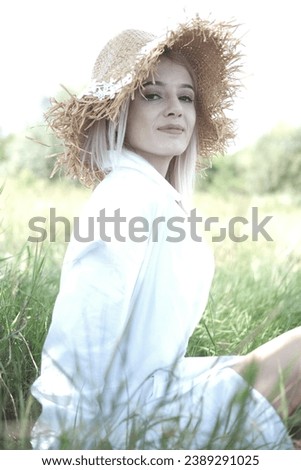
point(122, 67)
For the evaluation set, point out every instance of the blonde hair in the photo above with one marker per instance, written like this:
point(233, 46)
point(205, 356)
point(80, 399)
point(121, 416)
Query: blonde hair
point(105, 139)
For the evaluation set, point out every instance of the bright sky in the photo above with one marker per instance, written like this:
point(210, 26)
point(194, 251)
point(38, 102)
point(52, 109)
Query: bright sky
point(48, 42)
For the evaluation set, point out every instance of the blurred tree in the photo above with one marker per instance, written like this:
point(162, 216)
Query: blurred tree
point(5, 140)
point(28, 152)
point(224, 175)
point(272, 164)
point(275, 163)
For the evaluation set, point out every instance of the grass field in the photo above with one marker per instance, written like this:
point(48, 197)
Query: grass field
point(255, 294)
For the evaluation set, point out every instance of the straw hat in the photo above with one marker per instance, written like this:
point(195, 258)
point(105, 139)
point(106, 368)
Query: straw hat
point(123, 65)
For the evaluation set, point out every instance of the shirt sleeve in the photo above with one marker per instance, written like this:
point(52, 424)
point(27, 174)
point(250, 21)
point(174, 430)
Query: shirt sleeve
point(91, 314)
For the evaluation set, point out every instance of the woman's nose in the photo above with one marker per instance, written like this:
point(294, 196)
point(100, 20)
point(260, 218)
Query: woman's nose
point(173, 107)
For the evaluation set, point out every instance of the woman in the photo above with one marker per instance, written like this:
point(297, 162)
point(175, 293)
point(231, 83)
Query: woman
point(135, 281)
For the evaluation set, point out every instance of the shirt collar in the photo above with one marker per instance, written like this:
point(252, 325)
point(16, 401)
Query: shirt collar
point(129, 159)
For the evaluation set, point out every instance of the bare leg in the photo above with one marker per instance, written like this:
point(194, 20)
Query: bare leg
point(277, 366)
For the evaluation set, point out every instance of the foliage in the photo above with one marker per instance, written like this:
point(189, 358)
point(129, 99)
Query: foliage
point(272, 164)
point(26, 292)
point(5, 141)
point(276, 162)
point(224, 175)
point(30, 153)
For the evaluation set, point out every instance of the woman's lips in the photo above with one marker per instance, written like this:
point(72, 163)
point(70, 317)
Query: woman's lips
point(171, 129)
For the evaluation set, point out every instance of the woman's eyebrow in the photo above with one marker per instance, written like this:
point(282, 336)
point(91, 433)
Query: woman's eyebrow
point(182, 85)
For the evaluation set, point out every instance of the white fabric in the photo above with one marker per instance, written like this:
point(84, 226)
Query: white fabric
point(120, 327)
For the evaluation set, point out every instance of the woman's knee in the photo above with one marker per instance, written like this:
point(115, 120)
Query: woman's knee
point(274, 370)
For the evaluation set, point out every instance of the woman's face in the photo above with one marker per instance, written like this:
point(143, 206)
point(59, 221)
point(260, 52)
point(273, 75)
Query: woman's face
point(162, 115)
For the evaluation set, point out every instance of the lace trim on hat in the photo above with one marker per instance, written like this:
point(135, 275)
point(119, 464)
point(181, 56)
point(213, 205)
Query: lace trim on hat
point(102, 90)
point(109, 89)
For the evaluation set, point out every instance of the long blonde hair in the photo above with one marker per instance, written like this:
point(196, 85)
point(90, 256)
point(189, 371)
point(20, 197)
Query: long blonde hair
point(105, 136)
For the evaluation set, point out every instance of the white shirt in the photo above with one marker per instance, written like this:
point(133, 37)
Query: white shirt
point(125, 309)
point(121, 324)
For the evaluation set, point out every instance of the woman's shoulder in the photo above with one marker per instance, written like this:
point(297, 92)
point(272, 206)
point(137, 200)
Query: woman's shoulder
point(129, 190)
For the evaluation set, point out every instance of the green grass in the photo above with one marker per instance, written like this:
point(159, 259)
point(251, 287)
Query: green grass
point(255, 294)
point(256, 290)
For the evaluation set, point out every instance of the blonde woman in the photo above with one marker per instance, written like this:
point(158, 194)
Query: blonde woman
point(136, 282)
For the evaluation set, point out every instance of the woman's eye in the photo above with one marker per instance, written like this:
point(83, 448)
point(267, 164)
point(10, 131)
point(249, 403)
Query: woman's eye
point(186, 98)
point(152, 96)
